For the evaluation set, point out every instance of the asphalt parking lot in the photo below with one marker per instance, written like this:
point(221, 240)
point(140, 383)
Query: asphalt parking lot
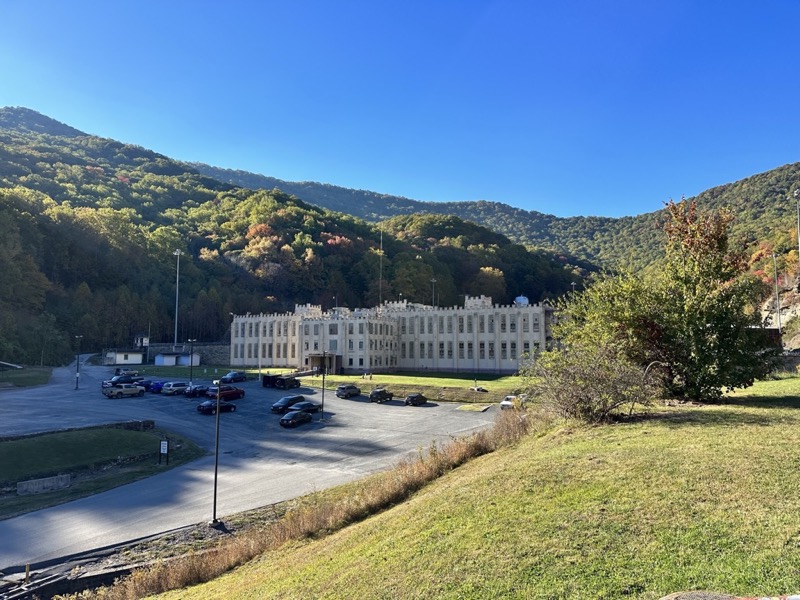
point(260, 463)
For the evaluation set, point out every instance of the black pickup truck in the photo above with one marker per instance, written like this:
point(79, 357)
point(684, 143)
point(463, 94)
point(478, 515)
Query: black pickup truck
point(118, 379)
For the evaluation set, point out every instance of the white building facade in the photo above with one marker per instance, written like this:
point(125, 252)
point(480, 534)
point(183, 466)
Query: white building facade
point(479, 337)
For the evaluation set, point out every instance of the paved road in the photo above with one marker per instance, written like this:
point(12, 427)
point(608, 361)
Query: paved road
point(259, 462)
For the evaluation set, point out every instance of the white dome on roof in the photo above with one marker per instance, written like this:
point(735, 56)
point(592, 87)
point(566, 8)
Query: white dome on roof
point(521, 301)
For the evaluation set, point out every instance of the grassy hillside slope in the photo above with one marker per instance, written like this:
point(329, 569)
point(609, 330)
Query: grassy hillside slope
point(689, 498)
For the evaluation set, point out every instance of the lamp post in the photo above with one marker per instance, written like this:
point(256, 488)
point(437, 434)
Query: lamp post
point(324, 369)
point(797, 199)
point(78, 360)
point(191, 359)
point(777, 297)
point(573, 288)
point(214, 521)
point(433, 291)
point(177, 255)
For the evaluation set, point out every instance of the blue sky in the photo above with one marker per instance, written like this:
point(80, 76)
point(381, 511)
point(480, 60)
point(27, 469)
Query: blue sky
point(567, 108)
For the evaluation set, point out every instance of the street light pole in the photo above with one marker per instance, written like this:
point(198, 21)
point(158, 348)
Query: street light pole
point(777, 297)
point(214, 521)
point(177, 255)
point(191, 360)
point(433, 291)
point(78, 361)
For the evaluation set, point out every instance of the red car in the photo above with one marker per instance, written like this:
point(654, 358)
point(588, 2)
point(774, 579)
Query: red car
point(226, 392)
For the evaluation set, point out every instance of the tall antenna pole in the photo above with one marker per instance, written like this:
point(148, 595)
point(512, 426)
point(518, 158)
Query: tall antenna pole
point(777, 296)
point(177, 254)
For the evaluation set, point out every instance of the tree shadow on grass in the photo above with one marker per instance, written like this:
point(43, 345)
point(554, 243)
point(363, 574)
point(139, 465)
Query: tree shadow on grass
point(694, 414)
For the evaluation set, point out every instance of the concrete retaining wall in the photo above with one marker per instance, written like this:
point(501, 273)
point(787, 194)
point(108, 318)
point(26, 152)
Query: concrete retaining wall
point(46, 484)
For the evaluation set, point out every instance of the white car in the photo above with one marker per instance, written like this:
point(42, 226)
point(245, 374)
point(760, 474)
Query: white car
point(514, 401)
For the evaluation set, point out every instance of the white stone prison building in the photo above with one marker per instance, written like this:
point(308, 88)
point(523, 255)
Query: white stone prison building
point(398, 336)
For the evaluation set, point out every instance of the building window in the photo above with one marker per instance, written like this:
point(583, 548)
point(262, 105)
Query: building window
point(513, 355)
point(250, 349)
point(430, 349)
point(360, 362)
point(263, 349)
point(350, 345)
point(491, 350)
point(460, 324)
point(535, 324)
point(293, 350)
point(285, 328)
point(271, 329)
point(461, 350)
point(422, 325)
point(250, 329)
point(294, 329)
point(450, 350)
point(263, 330)
point(422, 349)
point(411, 350)
point(430, 324)
point(350, 328)
point(470, 353)
point(269, 350)
point(316, 329)
point(441, 324)
point(481, 351)
point(360, 344)
point(502, 323)
point(403, 350)
point(350, 362)
point(316, 345)
point(284, 350)
point(491, 323)
point(411, 325)
point(449, 324)
point(525, 325)
point(277, 350)
point(361, 329)
point(503, 353)
point(512, 323)
point(333, 329)
point(469, 324)
point(441, 349)
point(526, 347)
point(235, 351)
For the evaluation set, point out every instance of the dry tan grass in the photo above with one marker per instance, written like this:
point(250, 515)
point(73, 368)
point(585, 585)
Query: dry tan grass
point(315, 517)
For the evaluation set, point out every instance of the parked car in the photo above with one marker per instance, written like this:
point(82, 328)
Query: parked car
point(195, 390)
point(415, 400)
point(380, 395)
point(307, 406)
point(174, 387)
point(123, 389)
point(226, 392)
point(478, 389)
point(295, 418)
point(345, 391)
point(209, 407)
point(118, 379)
point(233, 377)
point(513, 401)
point(125, 371)
point(155, 386)
point(285, 403)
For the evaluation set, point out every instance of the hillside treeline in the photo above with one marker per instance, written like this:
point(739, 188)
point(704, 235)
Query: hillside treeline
point(90, 227)
point(764, 206)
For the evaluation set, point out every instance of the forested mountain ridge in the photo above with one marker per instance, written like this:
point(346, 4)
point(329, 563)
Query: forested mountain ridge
point(89, 228)
point(762, 204)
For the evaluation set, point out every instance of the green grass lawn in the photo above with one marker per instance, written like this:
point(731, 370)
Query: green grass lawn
point(98, 459)
point(686, 498)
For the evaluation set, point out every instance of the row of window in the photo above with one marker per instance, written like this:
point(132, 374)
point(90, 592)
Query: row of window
point(281, 328)
point(507, 351)
point(486, 323)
